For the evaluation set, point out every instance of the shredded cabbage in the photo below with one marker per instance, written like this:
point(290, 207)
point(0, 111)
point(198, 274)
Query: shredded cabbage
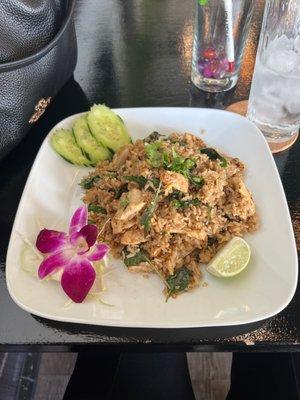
point(31, 258)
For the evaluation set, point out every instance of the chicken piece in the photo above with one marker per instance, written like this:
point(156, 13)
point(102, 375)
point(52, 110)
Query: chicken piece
point(247, 198)
point(193, 233)
point(135, 196)
point(196, 234)
point(119, 226)
point(135, 205)
point(142, 267)
point(125, 217)
point(173, 180)
point(240, 204)
point(134, 235)
point(121, 156)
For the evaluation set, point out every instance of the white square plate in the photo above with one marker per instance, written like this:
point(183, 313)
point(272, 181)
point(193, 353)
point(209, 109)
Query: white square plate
point(262, 290)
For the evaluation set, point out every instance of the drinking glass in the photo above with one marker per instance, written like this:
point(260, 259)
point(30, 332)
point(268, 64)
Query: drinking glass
point(221, 29)
point(274, 103)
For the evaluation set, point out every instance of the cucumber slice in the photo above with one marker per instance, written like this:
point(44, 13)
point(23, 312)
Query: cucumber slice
point(63, 142)
point(107, 127)
point(95, 151)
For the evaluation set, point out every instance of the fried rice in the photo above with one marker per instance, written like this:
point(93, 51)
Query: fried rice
point(168, 204)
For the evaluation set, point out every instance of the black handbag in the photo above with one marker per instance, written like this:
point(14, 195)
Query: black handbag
point(38, 54)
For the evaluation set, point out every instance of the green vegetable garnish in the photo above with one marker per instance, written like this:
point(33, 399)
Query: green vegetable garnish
point(122, 189)
point(176, 203)
point(153, 154)
point(156, 157)
point(140, 180)
point(197, 180)
point(161, 159)
point(88, 183)
point(153, 137)
point(107, 128)
point(155, 182)
point(214, 155)
point(223, 162)
point(147, 214)
point(138, 258)
point(180, 164)
point(179, 281)
point(96, 209)
point(185, 203)
point(189, 163)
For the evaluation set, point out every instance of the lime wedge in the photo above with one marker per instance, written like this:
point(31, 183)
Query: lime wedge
point(231, 260)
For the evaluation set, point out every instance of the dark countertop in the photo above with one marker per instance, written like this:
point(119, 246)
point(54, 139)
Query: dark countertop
point(137, 53)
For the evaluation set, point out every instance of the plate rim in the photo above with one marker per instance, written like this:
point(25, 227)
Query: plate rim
point(157, 325)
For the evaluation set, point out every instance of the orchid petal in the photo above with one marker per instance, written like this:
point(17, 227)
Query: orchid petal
point(77, 279)
point(88, 232)
point(79, 219)
point(98, 252)
point(54, 261)
point(49, 241)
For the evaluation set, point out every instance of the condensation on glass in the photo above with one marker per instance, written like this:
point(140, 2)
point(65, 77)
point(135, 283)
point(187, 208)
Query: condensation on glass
point(274, 103)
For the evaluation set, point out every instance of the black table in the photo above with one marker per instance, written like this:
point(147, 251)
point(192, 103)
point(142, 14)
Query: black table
point(136, 53)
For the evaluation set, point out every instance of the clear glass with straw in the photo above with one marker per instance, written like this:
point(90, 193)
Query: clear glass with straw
point(221, 29)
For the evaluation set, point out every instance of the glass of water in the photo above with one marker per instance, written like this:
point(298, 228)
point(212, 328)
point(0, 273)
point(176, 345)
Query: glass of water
point(221, 29)
point(274, 103)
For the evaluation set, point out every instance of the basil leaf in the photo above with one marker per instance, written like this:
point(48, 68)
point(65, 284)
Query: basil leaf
point(122, 189)
point(176, 203)
point(214, 155)
point(223, 162)
point(155, 182)
point(140, 180)
point(138, 258)
point(147, 214)
point(176, 195)
point(153, 137)
point(88, 183)
point(96, 209)
point(211, 241)
point(179, 281)
point(211, 153)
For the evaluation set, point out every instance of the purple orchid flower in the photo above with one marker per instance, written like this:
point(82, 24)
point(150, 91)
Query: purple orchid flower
point(73, 252)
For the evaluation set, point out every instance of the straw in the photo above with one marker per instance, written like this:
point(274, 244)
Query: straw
point(229, 35)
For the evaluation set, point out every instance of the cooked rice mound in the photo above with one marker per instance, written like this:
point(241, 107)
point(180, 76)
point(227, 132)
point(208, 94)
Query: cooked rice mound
point(197, 211)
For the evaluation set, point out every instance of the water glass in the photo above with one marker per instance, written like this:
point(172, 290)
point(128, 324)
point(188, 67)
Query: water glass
point(221, 29)
point(274, 103)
